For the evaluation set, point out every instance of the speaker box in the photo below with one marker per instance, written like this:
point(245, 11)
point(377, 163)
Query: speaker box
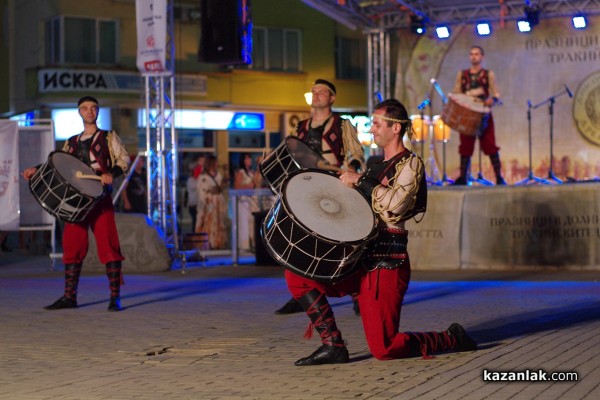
point(226, 32)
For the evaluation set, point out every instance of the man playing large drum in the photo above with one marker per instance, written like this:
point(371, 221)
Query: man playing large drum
point(479, 83)
point(332, 137)
point(396, 188)
point(105, 154)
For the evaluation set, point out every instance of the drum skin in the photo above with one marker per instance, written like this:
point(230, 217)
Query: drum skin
point(463, 113)
point(60, 192)
point(337, 225)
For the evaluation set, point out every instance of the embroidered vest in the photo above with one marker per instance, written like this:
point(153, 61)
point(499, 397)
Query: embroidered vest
point(99, 152)
point(333, 137)
point(482, 79)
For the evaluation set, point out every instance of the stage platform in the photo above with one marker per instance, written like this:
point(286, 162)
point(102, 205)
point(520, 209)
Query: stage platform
point(509, 227)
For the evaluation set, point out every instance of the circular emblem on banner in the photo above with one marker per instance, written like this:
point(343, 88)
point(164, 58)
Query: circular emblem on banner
point(586, 108)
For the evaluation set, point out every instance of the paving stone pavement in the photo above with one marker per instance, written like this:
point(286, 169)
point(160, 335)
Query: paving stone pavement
point(211, 334)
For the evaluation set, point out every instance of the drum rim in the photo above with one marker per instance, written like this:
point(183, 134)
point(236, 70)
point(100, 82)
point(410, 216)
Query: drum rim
point(52, 211)
point(317, 277)
point(285, 204)
point(285, 142)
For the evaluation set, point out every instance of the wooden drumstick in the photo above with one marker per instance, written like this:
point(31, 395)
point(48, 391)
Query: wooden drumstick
point(80, 174)
point(328, 167)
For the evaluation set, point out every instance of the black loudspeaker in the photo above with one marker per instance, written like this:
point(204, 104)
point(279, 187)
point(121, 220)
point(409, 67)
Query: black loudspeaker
point(226, 32)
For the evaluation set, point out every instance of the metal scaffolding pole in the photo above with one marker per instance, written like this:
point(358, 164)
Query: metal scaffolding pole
point(161, 145)
point(378, 68)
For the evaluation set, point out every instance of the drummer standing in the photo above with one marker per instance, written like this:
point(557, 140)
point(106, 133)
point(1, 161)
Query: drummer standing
point(334, 138)
point(104, 152)
point(397, 190)
point(480, 83)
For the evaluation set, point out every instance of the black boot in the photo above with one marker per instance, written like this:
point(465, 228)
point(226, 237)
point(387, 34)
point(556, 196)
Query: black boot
point(69, 300)
point(355, 305)
point(454, 338)
point(465, 163)
point(113, 272)
point(291, 307)
point(497, 165)
point(333, 350)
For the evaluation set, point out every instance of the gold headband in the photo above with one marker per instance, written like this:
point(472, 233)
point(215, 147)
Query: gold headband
point(325, 86)
point(410, 132)
point(401, 121)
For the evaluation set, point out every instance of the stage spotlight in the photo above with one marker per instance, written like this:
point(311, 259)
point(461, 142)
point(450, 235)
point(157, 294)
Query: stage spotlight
point(484, 29)
point(417, 24)
point(523, 26)
point(532, 15)
point(579, 22)
point(443, 32)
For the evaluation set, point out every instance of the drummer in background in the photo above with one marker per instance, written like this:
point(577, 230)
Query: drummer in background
point(481, 83)
point(104, 152)
point(397, 190)
point(334, 138)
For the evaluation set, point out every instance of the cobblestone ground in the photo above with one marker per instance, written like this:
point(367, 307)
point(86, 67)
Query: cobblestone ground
point(211, 334)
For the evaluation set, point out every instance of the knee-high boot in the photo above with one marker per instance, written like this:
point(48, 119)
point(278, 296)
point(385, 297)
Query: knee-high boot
point(113, 272)
point(454, 338)
point(465, 163)
point(69, 299)
point(497, 165)
point(333, 350)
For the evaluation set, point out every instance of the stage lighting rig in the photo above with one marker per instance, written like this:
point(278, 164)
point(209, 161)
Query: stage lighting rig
point(532, 15)
point(417, 24)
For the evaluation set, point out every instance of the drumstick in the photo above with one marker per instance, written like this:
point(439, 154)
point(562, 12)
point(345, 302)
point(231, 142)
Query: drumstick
point(328, 167)
point(80, 174)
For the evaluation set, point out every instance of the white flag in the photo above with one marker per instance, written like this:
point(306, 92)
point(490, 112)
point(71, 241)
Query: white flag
point(9, 176)
point(151, 20)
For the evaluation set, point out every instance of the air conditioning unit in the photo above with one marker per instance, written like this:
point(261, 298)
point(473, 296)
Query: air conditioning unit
point(290, 120)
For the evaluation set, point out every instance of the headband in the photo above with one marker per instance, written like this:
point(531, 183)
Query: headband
point(401, 121)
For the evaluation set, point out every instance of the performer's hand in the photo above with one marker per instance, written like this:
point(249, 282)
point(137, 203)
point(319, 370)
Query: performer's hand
point(350, 178)
point(28, 173)
point(106, 179)
point(489, 102)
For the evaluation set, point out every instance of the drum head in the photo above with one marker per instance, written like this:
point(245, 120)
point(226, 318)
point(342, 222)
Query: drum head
point(469, 102)
point(67, 166)
point(324, 205)
point(302, 154)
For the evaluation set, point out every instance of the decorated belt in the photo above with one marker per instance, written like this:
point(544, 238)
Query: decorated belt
point(387, 250)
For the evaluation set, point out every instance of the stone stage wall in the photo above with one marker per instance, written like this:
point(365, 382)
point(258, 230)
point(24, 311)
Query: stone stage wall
point(541, 226)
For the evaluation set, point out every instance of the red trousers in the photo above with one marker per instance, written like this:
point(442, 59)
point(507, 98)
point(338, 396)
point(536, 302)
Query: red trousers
point(101, 220)
point(380, 296)
point(487, 141)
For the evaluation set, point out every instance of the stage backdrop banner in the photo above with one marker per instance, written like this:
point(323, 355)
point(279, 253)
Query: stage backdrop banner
point(9, 176)
point(434, 243)
point(537, 226)
point(151, 21)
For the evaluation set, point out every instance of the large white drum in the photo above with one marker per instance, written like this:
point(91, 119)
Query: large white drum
point(318, 227)
point(60, 192)
point(290, 156)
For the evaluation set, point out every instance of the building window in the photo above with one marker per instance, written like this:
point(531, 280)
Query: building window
point(275, 49)
point(72, 40)
point(350, 58)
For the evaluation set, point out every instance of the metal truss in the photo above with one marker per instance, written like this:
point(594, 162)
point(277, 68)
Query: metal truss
point(395, 14)
point(161, 145)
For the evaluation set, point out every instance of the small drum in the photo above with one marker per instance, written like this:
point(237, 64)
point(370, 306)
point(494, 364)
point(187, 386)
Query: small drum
point(318, 227)
point(464, 113)
point(441, 131)
point(60, 192)
point(420, 127)
point(290, 156)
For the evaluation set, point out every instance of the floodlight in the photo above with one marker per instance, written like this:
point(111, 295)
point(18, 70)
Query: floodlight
point(443, 32)
point(523, 26)
point(532, 15)
point(417, 24)
point(484, 29)
point(579, 22)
